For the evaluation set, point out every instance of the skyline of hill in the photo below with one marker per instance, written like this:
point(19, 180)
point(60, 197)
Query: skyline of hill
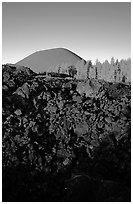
point(50, 60)
point(63, 61)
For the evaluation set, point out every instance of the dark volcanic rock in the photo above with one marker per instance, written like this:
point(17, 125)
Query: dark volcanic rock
point(14, 76)
point(52, 129)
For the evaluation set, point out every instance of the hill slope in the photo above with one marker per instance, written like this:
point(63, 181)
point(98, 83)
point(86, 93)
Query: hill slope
point(47, 60)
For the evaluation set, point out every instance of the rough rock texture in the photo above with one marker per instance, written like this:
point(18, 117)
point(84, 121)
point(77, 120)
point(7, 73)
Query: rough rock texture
point(54, 130)
point(88, 87)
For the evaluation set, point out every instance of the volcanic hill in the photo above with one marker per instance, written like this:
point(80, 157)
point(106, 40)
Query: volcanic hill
point(49, 60)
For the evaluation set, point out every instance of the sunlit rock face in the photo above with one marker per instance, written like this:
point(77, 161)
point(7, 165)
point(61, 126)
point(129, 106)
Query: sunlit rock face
point(88, 87)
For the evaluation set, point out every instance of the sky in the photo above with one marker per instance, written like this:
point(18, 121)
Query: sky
point(92, 30)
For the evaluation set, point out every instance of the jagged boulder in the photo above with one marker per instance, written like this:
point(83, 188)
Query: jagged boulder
point(88, 87)
point(23, 91)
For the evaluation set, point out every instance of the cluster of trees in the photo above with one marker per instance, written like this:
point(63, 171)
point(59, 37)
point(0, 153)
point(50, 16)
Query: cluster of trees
point(115, 71)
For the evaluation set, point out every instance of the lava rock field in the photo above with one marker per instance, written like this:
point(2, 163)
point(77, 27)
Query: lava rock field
point(64, 139)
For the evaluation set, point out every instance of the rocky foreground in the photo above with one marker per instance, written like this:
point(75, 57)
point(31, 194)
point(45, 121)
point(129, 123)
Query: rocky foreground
point(65, 139)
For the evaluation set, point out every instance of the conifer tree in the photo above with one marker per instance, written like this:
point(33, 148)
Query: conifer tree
point(88, 69)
